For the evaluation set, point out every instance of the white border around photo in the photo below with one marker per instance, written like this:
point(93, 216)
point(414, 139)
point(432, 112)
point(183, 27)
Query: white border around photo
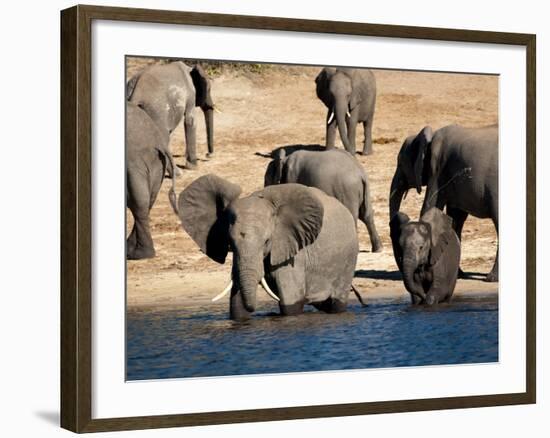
point(113, 397)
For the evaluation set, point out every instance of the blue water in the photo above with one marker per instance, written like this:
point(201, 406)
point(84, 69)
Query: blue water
point(388, 333)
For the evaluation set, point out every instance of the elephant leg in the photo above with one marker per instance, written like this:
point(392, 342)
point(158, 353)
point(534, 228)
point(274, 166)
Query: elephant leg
point(331, 132)
point(332, 305)
point(352, 128)
point(459, 217)
point(376, 243)
point(131, 241)
point(493, 275)
point(139, 244)
point(291, 284)
point(416, 300)
point(143, 248)
point(190, 140)
point(367, 146)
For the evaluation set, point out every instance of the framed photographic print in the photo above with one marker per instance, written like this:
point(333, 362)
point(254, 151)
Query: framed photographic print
point(268, 219)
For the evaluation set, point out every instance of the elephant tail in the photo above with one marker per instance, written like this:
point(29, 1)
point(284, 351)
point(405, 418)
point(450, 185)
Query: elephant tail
point(172, 171)
point(358, 295)
point(172, 198)
point(172, 192)
point(365, 209)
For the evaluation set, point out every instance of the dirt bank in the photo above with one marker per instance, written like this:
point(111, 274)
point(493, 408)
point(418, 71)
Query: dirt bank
point(278, 108)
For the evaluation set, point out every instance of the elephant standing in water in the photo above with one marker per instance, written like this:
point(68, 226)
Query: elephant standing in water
point(336, 173)
point(147, 159)
point(350, 96)
point(298, 242)
point(428, 254)
point(170, 93)
point(459, 166)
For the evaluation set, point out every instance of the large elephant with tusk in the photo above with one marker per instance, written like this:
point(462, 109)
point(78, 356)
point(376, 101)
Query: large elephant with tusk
point(297, 242)
point(350, 97)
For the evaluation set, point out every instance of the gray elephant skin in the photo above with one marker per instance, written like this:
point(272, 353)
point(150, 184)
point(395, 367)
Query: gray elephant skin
point(350, 96)
point(459, 167)
point(147, 160)
point(170, 93)
point(296, 240)
point(336, 173)
point(427, 253)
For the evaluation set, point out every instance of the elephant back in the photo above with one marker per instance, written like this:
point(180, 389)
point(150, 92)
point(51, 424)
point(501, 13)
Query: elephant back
point(334, 171)
point(141, 132)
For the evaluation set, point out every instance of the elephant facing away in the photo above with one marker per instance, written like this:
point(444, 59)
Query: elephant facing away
point(459, 167)
point(169, 93)
point(297, 242)
point(350, 96)
point(147, 159)
point(427, 253)
point(333, 171)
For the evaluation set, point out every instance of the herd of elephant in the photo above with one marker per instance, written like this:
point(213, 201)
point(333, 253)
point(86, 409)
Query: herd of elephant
point(297, 236)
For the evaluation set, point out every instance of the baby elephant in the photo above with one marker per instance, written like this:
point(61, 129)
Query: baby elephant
point(297, 242)
point(333, 171)
point(428, 254)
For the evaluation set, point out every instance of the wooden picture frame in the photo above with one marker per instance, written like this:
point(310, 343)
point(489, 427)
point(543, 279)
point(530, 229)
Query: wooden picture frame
point(76, 218)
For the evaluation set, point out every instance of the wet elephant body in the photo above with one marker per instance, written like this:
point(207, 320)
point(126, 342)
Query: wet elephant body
point(297, 242)
point(427, 253)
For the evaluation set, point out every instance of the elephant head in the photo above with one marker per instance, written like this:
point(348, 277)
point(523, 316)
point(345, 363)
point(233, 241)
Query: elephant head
point(419, 245)
point(335, 88)
point(411, 171)
point(274, 172)
point(267, 228)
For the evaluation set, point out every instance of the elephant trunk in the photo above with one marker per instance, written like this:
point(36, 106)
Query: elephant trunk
point(397, 192)
point(237, 311)
point(410, 264)
point(209, 122)
point(340, 111)
point(247, 280)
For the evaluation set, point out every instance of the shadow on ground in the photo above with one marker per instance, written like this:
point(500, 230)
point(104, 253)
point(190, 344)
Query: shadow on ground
point(472, 276)
point(291, 148)
point(378, 274)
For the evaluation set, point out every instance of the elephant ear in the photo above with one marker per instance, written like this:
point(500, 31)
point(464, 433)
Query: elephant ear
point(131, 85)
point(397, 221)
point(201, 208)
point(421, 142)
point(441, 227)
point(322, 83)
point(200, 81)
point(298, 222)
point(274, 172)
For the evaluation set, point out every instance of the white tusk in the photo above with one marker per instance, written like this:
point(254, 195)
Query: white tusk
point(330, 118)
point(268, 290)
point(216, 109)
point(224, 292)
point(348, 114)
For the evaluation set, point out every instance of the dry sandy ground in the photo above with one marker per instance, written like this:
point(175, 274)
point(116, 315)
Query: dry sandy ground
point(278, 107)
